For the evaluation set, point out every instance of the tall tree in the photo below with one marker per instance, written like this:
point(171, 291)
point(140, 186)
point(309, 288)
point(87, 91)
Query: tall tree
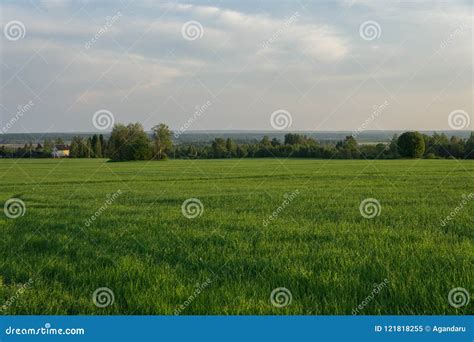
point(89, 147)
point(469, 149)
point(231, 148)
point(162, 141)
point(219, 149)
point(96, 147)
point(393, 147)
point(48, 146)
point(102, 145)
point(76, 148)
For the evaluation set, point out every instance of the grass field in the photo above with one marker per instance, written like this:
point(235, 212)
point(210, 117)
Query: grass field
point(317, 245)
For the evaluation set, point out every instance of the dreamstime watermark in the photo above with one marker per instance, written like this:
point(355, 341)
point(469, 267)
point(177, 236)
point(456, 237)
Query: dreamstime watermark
point(192, 208)
point(200, 110)
point(376, 289)
point(459, 30)
point(465, 200)
point(21, 110)
point(286, 24)
point(103, 297)
point(377, 110)
point(198, 288)
point(288, 199)
point(281, 119)
point(370, 30)
point(103, 119)
point(110, 199)
point(14, 208)
point(192, 30)
point(109, 21)
point(459, 119)
point(281, 297)
point(46, 330)
point(458, 297)
point(14, 30)
point(17, 295)
point(370, 208)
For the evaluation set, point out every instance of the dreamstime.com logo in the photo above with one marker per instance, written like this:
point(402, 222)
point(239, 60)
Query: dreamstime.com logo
point(14, 30)
point(288, 199)
point(281, 297)
point(192, 208)
point(109, 21)
point(459, 119)
point(458, 31)
point(14, 208)
point(465, 200)
point(103, 297)
point(370, 30)
point(376, 289)
point(200, 110)
point(17, 295)
point(198, 288)
point(281, 119)
point(192, 30)
point(21, 110)
point(377, 110)
point(370, 208)
point(103, 119)
point(458, 297)
point(108, 202)
point(46, 330)
point(288, 22)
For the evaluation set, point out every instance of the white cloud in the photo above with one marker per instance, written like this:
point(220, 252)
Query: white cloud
point(245, 33)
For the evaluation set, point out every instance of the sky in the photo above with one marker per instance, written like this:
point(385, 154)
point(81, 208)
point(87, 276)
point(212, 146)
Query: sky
point(80, 66)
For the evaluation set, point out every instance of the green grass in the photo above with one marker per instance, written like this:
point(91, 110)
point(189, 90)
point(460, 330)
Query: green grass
point(319, 246)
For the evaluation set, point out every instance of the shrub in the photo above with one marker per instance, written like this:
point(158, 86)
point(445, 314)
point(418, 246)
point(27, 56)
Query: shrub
point(411, 145)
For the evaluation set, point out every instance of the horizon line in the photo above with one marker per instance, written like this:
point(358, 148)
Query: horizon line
point(254, 131)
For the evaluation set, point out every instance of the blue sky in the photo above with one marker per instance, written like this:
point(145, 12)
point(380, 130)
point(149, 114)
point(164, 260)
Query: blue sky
point(311, 59)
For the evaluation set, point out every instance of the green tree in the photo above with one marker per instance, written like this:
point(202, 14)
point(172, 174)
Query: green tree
point(348, 148)
point(48, 146)
point(89, 147)
point(469, 148)
point(96, 147)
point(231, 148)
point(393, 148)
point(77, 147)
point(219, 149)
point(162, 141)
point(456, 147)
point(265, 142)
point(191, 152)
point(411, 145)
point(102, 145)
point(275, 142)
point(129, 143)
point(294, 139)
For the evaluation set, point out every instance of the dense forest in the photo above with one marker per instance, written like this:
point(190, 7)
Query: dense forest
point(131, 142)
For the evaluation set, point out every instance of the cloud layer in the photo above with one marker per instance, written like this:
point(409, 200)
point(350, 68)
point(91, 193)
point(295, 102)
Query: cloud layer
point(134, 59)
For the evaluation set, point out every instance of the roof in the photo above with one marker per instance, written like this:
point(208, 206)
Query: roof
point(61, 147)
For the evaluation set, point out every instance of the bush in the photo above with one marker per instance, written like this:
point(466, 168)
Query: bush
point(411, 145)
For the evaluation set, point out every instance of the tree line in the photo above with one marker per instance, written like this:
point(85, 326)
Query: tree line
point(131, 142)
